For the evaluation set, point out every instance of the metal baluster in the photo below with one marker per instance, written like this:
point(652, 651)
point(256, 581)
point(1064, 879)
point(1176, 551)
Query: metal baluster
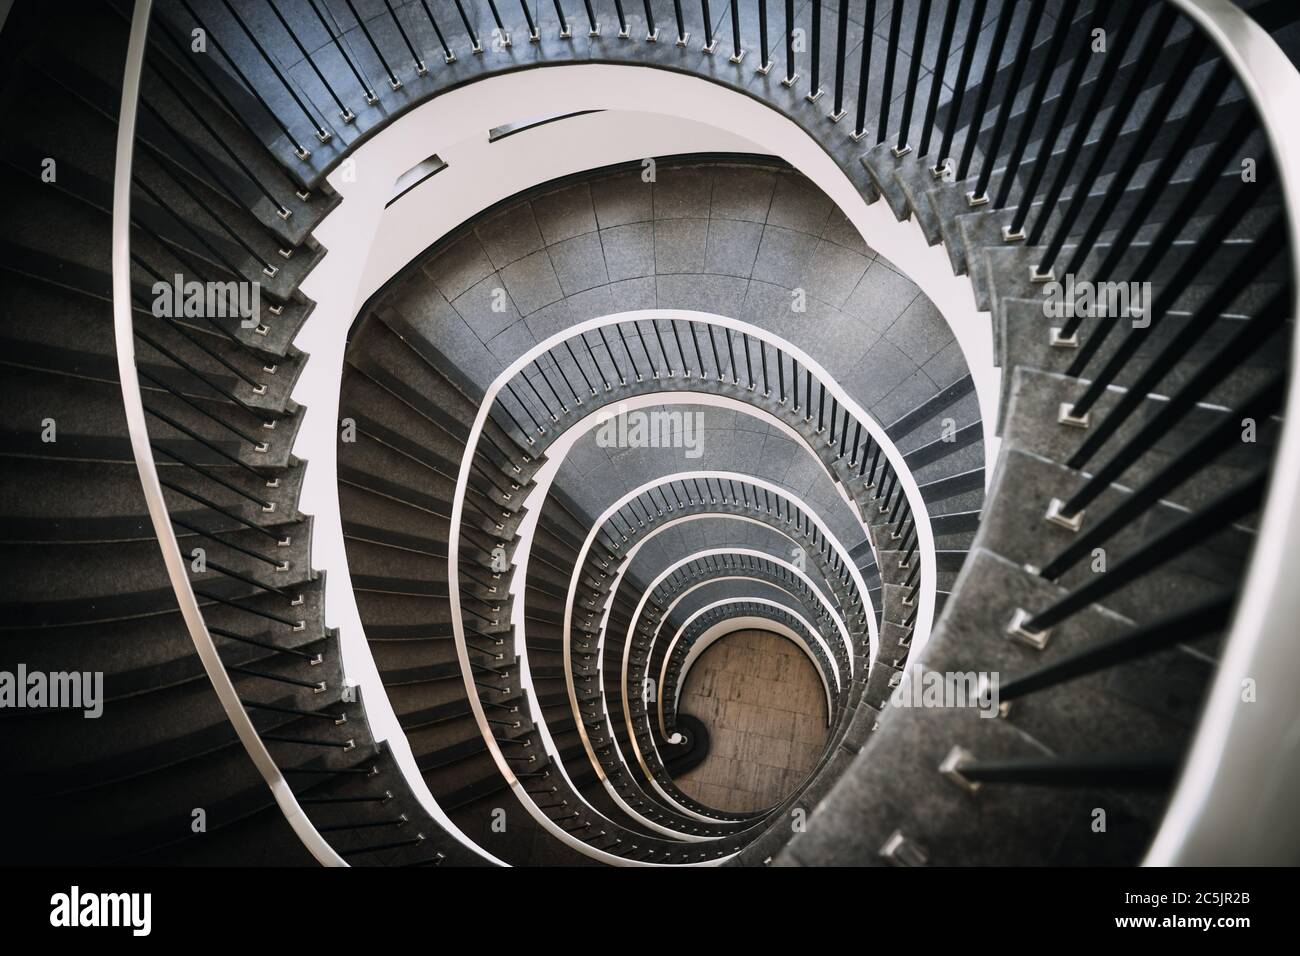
point(500, 31)
point(1175, 155)
point(973, 28)
point(864, 77)
point(891, 60)
point(764, 60)
point(979, 196)
point(566, 31)
point(1107, 140)
point(393, 81)
point(710, 41)
point(1206, 449)
point(1000, 33)
point(420, 68)
point(682, 35)
point(651, 31)
point(366, 90)
point(299, 150)
point(592, 23)
point(737, 54)
point(533, 35)
point(814, 70)
point(940, 70)
point(448, 56)
point(476, 45)
point(1205, 246)
point(841, 55)
point(622, 20)
point(913, 73)
point(1206, 315)
point(1055, 123)
point(1143, 139)
point(1180, 627)
point(1036, 97)
point(790, 75)
point(1092, 108)
point(345, 113)
point(1197, 526)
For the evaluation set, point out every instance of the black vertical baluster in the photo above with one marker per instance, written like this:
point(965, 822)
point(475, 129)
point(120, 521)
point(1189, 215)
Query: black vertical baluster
point(980, 194)
point(682, 35)
point(282, 210)
point(901, 148)
point(321, 132)
point(790, 74)
point(533, 35)
point(367, 90)
point(780, 374)
point(593, 24)
point(1034, 104)
point(503, 35)
point(393, 81)
point(447, 53)
point(814, 69)
point(764, 60)
point(476, 44)
point(737, 54)
point(959, 88)
point(420, 68)
point(710, 41)
point(345, 113)
point(940, 69)
point(1152, 126)
point(1101, 87)
point(300, 150)
point(891, 60)
point(841, 54)
point(985, 92)
point(566, 31)
point(864, 76)
point(651, 31)
point(622, 20)
point(1110, 133)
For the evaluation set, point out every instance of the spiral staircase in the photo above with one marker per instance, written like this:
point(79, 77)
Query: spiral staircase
point(1091, 511)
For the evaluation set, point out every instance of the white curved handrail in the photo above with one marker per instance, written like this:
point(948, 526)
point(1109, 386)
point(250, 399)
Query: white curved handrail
point(137, 427)
point(1236, 804)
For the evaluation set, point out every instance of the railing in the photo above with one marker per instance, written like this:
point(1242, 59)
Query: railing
point(630, 523)
point(691, 574)
point(206, 259)
point(144, 450)
point(1055, 188)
